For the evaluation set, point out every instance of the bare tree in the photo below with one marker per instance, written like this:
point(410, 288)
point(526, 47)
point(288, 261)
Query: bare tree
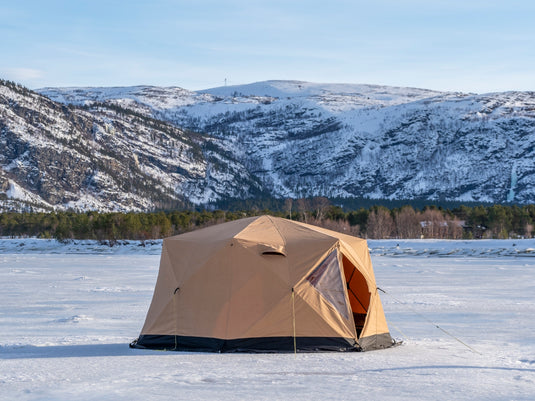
point(303, 208)
point(408, 223)
point(455, 228)
point(528, 230)
point(320, 204)
point(288, 203)
point(433, 224)
point(342, 226)
point(380, 223)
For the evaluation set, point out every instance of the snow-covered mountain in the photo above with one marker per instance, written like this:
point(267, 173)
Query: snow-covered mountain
point(106, 158)
point(296, 139)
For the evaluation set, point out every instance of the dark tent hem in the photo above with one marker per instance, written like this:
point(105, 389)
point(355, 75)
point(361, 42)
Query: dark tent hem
point(251, 345)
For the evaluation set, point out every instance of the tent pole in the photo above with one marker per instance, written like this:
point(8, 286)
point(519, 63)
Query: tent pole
point(293, 320)
point(175, 311)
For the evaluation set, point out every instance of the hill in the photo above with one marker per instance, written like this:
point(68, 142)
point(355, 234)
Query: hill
point(143, 147)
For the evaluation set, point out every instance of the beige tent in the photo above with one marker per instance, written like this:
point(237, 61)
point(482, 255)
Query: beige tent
point(265, 284)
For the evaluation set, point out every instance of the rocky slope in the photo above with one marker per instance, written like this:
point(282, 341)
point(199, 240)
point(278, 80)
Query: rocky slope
point(141, 148)
point(106, 157)
point(337, 140)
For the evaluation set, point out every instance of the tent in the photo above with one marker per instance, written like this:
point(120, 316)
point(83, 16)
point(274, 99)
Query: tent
point(265, 284)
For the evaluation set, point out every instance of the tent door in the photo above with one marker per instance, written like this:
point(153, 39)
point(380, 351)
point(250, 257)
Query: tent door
point(357, 291)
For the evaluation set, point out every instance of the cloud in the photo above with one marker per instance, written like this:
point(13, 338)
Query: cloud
point(21, 74)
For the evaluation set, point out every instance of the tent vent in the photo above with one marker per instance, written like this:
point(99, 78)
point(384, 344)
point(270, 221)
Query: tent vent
point(269, 249)
point(273, 253)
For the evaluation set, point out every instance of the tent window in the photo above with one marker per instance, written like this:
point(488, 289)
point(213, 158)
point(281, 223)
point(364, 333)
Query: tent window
point(327, 280)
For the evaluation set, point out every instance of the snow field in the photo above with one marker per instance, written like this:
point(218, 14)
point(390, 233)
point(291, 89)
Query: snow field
point(68, 312)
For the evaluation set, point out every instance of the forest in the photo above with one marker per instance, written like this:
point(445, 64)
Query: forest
point(375, 222)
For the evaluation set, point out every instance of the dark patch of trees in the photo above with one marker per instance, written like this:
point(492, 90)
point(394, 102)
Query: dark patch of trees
point(463, 222)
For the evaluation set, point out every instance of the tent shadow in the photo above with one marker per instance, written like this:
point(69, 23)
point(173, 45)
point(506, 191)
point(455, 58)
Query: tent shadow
point(71, 351)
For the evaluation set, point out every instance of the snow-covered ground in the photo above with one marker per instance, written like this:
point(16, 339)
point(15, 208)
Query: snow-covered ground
point(68, 312)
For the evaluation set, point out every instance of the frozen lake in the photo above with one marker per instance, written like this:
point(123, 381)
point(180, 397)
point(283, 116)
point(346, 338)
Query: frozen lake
point(68, 312)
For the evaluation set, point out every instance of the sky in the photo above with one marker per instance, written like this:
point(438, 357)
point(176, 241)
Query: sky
point(451, 45)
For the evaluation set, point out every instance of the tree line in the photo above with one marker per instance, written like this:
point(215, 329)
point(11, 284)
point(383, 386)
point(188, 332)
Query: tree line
point(376, 222)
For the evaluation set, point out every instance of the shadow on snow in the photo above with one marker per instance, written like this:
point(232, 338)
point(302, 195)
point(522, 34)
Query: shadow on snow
point(71, 351)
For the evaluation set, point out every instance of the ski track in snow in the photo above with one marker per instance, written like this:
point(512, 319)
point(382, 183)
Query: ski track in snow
point(68, 312)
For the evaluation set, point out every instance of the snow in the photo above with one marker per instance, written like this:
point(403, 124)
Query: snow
point(49, 246)
point(514, 180)
point(15, 191)
point(156, 97)
point(361, 93)
point(424, 142)
point(442, 248)
point(68, 312)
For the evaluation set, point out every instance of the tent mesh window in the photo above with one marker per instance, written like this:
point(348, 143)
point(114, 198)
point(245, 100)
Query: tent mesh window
point(327, 280)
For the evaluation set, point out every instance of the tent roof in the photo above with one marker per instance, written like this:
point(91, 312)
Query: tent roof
point(263, 229)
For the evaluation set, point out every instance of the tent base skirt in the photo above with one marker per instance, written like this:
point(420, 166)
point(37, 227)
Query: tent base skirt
point(252, 345)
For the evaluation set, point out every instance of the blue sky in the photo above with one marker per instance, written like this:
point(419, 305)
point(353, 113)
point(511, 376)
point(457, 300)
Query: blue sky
point(470, 46)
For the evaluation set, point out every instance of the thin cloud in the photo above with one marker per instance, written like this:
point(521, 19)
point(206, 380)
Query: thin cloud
point(22, 73)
